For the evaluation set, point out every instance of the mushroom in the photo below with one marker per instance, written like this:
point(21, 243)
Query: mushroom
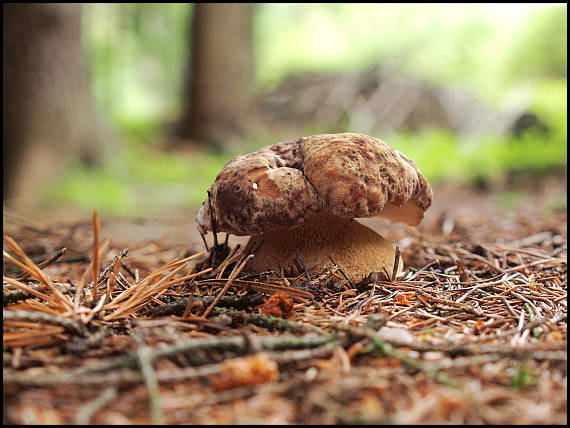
point(300, 198)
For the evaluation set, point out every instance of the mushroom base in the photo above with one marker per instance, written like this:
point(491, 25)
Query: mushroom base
point(357, 249)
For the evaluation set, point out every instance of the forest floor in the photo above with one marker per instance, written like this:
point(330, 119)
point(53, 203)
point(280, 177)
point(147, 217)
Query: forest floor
point(474, 332)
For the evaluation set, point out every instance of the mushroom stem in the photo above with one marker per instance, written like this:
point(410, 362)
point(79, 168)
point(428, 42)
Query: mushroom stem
point(357, 249)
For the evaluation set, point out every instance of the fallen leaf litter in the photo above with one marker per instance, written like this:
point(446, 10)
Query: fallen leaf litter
point(474, 331)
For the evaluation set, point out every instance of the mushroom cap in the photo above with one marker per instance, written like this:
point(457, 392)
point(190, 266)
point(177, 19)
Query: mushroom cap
point(349, 174)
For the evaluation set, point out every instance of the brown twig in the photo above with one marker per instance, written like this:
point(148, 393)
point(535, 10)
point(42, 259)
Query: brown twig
point(237, 269)
point(396, 263)
point(144, 356)
point(44, 264)
point(96, 228)
point(342, 272)
point(86, 411)
point(263, 287)
point(33, 269)
point(67, 323)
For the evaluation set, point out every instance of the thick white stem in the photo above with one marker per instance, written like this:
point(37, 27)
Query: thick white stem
point(357, 249)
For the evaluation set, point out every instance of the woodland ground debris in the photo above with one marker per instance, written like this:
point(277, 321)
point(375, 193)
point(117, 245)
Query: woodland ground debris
point(475, 331)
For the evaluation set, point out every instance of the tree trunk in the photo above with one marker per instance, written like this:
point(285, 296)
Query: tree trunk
point(219, 86)
point(49, 111)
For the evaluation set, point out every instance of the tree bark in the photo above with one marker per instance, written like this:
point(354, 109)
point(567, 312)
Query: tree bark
point(49, 111)
point(219, 86)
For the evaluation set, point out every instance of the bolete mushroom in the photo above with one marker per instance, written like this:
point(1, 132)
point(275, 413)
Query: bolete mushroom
point(300, 198)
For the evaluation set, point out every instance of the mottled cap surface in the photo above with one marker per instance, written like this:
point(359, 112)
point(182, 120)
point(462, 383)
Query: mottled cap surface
point(352, 175)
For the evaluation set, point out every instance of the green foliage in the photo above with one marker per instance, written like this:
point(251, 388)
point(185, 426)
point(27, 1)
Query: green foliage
point(137, 57)
point(539, 50)
point(90, 188)
point(441, 155)
point(550, 102)
point(508, 200)
point(326, 37)
point(485, 49)
point(523, 379)
point(139, 178)
point(532, 152)
point(436, 152)
point(138, 53)
point(558, 204)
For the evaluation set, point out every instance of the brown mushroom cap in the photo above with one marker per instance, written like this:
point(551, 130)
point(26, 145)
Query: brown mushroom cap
point(348, 174)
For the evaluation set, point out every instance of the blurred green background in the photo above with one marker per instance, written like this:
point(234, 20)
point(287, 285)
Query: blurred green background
point(507, 58)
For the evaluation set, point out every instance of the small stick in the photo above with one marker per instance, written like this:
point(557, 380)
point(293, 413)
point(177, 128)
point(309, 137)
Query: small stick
point(509, 307)
point(435, 262)
point(531, 240)
point(127, 376)
point(141, 297)
point(111, 265)
point(482, 259)
point(127, 268)
point(189, 302)
point(82, 279)
point(179, 305)
point(233, 275)
point(18, 263)
point(95, 252)
point(187, 277)
point(44, 264)
point(302, 260)
point(385, 348)
point(396, 262)
point(469, 292)
point(138, 286)
point(536, 263)
point(67, 323)
point(341, 271)
point(288, 357)
point(228, 343)
point(111, 280)
point(414, 306)
point(37, 273)
point(465, 307)
point(226, 241)
point(29, 290)
point(86, 411)
point(539, 321)
point(144, 357)
point(524, 299)
point(204, 240)
point(265, 287)
point(233, 256)
point(270, 322)
point(212, 221)
point(523, 251)
point(299, 267)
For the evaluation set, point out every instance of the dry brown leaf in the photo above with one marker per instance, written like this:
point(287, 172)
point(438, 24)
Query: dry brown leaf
point(244, 371)
point(278, 305)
